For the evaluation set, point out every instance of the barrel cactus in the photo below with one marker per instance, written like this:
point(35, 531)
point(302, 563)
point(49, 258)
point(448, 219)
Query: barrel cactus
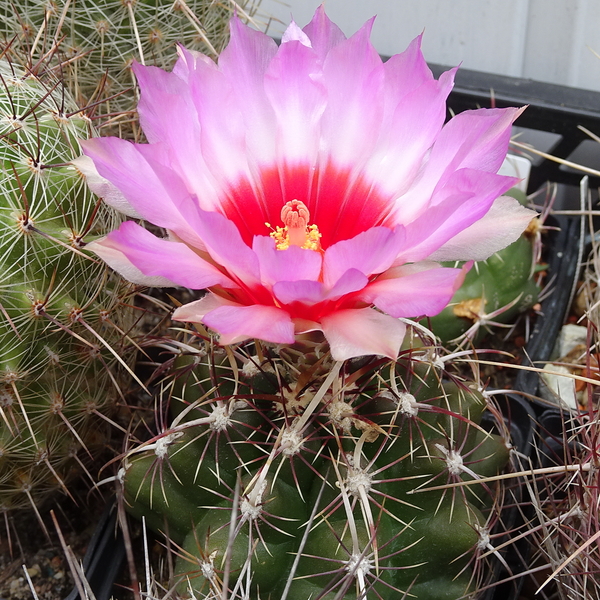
point(64, 323)
point(287, 475)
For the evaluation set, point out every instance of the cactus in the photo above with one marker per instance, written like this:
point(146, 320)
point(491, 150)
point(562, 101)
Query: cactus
point(495, 291)
point(96, 41)
point(284, 474)
point(63, 321)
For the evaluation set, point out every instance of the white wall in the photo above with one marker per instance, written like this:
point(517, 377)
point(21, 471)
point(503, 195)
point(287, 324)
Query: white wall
point(546, 40)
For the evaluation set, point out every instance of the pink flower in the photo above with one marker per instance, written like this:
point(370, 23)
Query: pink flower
point(307, 187)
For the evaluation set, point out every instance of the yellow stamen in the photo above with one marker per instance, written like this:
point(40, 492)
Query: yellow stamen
point(296, 230)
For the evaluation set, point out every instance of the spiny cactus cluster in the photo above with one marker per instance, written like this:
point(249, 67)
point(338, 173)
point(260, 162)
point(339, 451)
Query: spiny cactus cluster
point(63, 316)
point(286, 475)
point(94, 42)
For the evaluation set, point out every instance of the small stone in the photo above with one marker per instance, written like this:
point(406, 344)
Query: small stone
point(34, 571)
point(557, 388)
point(571, 336)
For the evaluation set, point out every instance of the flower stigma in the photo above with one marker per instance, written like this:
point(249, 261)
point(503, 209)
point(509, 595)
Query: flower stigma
point(296, 230)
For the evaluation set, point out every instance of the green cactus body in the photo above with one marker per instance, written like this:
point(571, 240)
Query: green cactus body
point(59, 308)
point(320, 489)
point(97, 40)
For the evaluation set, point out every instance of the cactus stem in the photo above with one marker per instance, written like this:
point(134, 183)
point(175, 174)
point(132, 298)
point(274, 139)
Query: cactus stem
point(205, 561)
point(483, 320)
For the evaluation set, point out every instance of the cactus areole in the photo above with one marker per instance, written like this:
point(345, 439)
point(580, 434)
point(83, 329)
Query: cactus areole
point(307, 187)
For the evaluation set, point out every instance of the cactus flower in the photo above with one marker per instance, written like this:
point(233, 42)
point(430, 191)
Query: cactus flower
point(306, 187)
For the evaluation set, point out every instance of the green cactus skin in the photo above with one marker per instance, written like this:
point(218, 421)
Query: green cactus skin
point(99, 39)
point(59, 309)
point(321, 494)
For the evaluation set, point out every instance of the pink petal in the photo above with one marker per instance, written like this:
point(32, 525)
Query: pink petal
point(307, 292)
point(370, 252)
point(132, 245)
point(115, 259)
point(293, 33)
point(476, 139)
point(168, 115)
point(194, 312)
point(103, 188)
point(324, 34)
point(492, 126)
point(501, 226)
point(406, 72)
point(414, 125)
point(163, 95)
point(222, 135)
point(466, 198)
point(188, 61)
point(359, 332)
point(351, 281)
point(225, 245)
point(151, 188)
point(354, 76)
point(244, 63)
point(293, 84)
point(313, 292)
point(292, 264)
point(238, 323)
point(248, 54)
point(414, 290)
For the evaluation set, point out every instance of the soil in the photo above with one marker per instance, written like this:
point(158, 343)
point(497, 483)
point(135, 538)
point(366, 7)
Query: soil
point(25, 545)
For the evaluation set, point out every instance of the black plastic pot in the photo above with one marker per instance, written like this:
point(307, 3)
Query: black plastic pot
point(552, 446)
point(103, 558)
point(563, 256)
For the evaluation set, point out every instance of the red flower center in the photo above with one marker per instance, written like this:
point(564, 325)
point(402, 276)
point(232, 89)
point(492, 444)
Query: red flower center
point(341, 203)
